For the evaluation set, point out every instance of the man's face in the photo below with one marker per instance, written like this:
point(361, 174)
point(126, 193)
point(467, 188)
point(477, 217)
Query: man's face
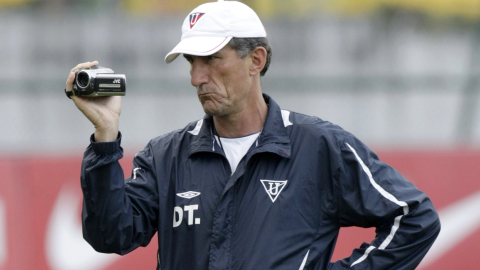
point(222, 81)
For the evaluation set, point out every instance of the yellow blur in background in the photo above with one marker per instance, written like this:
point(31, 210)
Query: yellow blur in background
point(466, 9)
point(12, 3)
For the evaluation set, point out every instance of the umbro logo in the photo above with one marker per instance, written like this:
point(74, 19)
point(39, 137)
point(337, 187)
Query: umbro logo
point(194, 17)
point(188, 194)
point(273, 188)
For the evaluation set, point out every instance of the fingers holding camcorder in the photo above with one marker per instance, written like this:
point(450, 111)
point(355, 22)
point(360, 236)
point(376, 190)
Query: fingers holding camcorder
point(85, 65)
point(102, 108)
point(71, 76)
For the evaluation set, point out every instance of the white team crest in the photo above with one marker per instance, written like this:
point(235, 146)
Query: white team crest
point(273, 188)
point(188, 194)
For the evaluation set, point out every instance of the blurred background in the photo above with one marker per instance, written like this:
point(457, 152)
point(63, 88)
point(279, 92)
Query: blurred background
point(403, 76)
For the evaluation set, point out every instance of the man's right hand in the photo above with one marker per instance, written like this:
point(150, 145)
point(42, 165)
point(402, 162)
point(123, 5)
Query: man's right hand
point(103, 112)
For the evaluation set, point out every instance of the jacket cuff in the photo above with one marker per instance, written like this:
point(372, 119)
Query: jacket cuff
point(106, 148)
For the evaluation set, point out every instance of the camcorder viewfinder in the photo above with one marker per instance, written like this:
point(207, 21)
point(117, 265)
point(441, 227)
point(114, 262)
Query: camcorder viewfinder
point(99, 81)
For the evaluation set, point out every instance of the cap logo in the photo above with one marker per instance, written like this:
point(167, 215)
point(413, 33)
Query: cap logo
point(194, 17)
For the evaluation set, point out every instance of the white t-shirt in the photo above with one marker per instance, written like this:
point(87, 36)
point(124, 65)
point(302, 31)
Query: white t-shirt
point(236, 148)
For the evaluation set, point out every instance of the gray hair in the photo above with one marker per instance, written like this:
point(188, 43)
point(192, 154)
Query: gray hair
point(243, 46)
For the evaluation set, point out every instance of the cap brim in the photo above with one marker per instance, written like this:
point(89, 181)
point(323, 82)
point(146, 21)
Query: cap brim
point(200, 46)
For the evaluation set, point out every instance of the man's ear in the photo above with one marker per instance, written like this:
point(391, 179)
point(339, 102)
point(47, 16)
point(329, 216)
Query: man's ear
point(259, 58)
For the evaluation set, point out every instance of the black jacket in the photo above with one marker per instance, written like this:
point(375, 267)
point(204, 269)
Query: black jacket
point(301, 181)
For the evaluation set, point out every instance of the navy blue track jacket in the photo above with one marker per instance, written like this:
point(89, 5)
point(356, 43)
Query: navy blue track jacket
point(282, 208)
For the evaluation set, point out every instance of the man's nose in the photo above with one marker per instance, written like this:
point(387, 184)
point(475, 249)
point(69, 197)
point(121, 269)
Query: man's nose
point(198, 72)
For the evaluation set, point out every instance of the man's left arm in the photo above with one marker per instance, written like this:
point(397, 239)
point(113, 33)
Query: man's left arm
point(373, 194)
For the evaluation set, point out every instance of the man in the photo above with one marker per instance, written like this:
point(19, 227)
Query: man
point(249, 186)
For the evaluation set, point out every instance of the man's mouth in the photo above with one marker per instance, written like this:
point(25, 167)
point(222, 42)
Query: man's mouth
point(205, 93)
point(204, 97)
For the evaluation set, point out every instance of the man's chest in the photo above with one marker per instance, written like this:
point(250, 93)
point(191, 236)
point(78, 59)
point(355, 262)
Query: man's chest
point(271, 203)
point(269, 197)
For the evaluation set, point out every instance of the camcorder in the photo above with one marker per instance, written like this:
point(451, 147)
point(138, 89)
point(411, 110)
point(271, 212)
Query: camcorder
point(99, 81)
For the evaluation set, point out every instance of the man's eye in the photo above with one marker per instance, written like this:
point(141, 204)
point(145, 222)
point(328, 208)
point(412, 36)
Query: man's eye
point(210, 57)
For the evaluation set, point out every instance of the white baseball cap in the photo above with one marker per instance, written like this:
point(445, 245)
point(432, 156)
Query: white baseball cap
point(209, 27)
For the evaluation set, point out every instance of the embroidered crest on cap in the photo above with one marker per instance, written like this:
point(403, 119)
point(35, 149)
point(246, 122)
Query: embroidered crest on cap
point(194, 17)
point(273, 188)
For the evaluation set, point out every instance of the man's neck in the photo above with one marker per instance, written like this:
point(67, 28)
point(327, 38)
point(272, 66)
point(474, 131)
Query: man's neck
point(248, 121)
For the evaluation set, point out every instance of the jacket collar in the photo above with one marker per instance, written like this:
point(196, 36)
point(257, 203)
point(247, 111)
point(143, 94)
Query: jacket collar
point(273, 137)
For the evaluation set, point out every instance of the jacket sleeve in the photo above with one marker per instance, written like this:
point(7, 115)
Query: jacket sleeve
point(373, 194)
point(118, 214)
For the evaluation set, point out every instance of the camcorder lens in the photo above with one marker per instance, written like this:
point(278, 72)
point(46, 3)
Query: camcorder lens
point(83, 79)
